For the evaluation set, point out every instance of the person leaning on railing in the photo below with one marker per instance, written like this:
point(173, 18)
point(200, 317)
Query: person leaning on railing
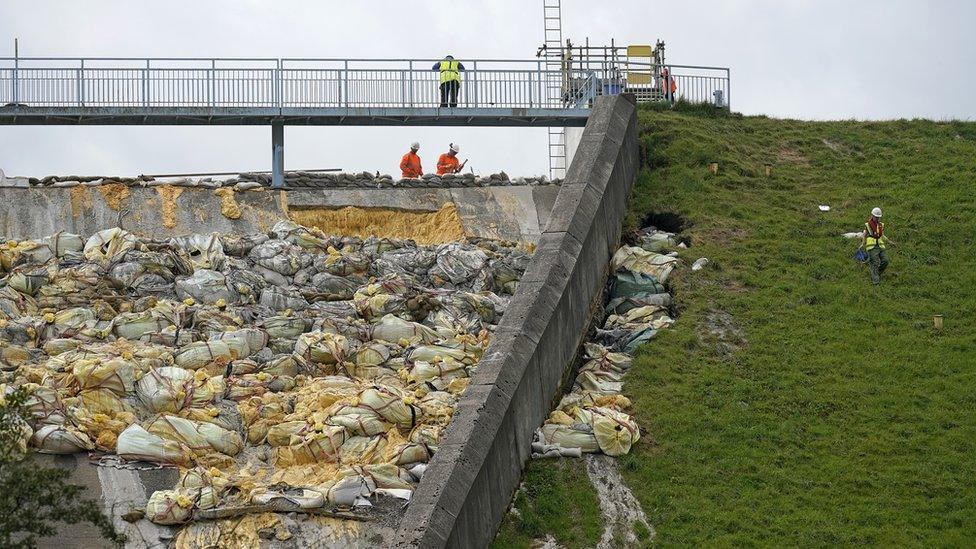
point(450, 70)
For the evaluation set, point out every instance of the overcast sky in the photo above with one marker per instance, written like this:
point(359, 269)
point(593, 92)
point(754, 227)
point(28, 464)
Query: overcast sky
point(810, 59)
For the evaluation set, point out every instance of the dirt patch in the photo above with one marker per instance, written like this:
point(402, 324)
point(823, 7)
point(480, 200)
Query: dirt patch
point(723, 236)
point(114, 194)
point(228, 206)
point(720, 333)
point(438, 227)
point(620, 509)
point(80, 200)
point(666, 221)
point(787, 155)
point(167, 196)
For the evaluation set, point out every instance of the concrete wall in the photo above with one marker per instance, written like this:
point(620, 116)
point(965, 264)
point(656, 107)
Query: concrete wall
point(504, 212)
point(470, 481)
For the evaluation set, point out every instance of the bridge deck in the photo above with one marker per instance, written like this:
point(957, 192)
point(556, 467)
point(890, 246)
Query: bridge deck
point(297, 116)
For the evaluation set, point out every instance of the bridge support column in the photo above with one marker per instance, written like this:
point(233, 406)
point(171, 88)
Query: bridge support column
point(277, 154)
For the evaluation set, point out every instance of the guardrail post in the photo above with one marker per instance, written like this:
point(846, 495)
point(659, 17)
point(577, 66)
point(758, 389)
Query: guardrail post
point(403, 92)
point(474, 81)
point(410, 90)
point(81, 84)
point(145, 85)
point(210, 82)
point(13, 82)
point(728, 93)
point(278, 87)
point(277, 154)
point(345, 82)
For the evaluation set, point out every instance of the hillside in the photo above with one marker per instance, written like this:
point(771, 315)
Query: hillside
point(794, 403)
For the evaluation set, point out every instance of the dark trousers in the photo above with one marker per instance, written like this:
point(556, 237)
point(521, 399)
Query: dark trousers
point(449, 93)
point(877, 262)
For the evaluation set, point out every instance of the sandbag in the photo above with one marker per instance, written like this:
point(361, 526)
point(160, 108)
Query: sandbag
point(105, 245)
point(59, 439)
point(169, 507)
point(205, 286)
point(136, 443)
point(642, 261)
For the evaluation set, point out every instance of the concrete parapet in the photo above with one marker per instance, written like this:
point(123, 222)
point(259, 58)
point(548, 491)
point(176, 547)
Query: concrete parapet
point(515, 212)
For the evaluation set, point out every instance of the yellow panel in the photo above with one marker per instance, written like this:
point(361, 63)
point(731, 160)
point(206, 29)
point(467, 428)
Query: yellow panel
point(638, 78)
point(639, 51)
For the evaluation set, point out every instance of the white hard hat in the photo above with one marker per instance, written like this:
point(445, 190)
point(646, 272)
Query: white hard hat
point(455, 148)
point(876, 212)
point(415, 145)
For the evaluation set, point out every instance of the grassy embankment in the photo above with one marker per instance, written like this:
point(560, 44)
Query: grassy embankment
point(794, 403)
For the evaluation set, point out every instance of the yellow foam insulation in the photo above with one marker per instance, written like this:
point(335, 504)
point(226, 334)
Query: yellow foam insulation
point(438, 227)
point(114, 194)
point(168, 195)
point(228, 206)
point(235, 532)
point(81, 200)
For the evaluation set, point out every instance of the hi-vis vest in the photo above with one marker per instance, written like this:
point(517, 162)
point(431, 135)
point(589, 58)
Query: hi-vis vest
point(873, 240)
point(449, 71)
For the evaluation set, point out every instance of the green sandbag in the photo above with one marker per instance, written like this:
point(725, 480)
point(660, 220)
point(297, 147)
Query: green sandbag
point(627, 283)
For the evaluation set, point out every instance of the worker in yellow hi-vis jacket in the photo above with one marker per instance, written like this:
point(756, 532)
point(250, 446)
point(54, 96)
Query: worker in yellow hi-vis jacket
point(450, 71)
point(874, 240)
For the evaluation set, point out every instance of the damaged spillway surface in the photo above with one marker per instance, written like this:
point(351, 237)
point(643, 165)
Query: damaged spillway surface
point(289, 371)
point(362, 364)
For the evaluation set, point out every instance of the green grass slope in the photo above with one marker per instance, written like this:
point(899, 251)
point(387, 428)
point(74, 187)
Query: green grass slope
point(794, 403)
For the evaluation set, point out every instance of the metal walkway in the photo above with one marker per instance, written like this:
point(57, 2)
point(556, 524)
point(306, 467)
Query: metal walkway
point(119, 91)
point(279, 92)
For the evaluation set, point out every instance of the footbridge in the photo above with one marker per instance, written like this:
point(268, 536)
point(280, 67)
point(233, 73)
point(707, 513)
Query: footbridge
point(279, 92)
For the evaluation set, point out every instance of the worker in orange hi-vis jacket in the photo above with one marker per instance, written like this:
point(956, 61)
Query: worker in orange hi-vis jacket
point(410, 167)
point(448, 162)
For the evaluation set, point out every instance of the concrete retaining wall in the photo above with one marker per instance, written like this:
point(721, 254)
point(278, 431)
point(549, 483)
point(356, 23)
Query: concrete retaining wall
point(470, 481)
point(504, 212)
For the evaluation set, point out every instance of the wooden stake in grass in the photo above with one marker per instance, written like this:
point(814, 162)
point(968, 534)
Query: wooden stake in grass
point(769, 169)
point(937, 323)
point(713, 167)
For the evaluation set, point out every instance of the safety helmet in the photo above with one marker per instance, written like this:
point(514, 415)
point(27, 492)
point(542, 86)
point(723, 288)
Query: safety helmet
point(415, 146)
point(876, 212)
point(455, 148)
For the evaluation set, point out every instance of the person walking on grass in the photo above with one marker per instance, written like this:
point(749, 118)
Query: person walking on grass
point(874, 241)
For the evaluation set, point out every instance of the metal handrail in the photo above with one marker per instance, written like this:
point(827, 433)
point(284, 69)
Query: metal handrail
point(285, 83)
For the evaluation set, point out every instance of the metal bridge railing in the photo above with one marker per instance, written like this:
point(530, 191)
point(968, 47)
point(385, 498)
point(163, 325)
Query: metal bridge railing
point(334, 83)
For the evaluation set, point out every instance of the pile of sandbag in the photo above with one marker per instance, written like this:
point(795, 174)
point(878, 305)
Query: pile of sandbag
point(276, 370)
point(594, 416)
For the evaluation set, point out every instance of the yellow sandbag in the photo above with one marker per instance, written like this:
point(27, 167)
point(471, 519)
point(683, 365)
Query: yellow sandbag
point(570, 436)
point(171, 506)
point(615, 432)
point(322, 347)
point(642, 261)
point(391, 404)
point(393, 329)
point(200, 438)
point(136, 443)
point(215, 355)
point(60, 439)
point(107, 244)
point(317, 445)
point(282, 433)
point(115, 374)
point(357, 420)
